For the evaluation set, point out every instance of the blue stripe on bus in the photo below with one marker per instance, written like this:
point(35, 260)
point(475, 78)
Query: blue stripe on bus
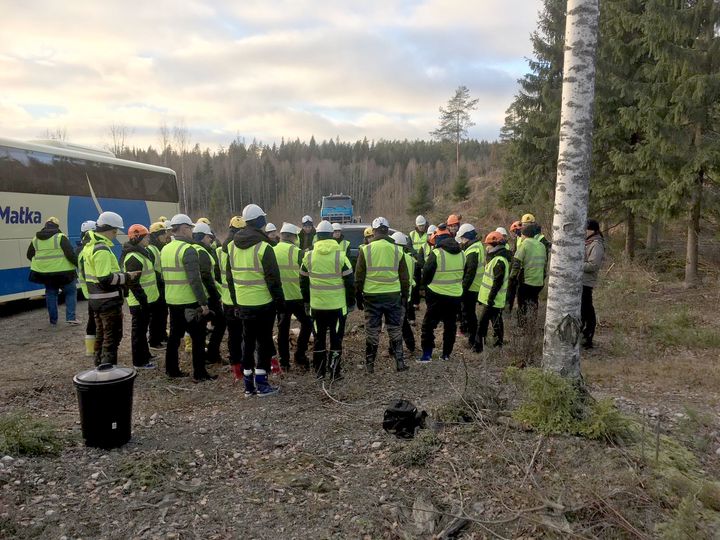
point(15, 280)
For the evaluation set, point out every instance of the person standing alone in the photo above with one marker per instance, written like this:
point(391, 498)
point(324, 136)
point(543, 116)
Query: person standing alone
point(594, 256)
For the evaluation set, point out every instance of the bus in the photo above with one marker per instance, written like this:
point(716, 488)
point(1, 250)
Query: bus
point(73, 183)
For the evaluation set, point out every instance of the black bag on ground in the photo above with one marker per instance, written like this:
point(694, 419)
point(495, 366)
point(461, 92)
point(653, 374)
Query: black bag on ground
point(402, 419)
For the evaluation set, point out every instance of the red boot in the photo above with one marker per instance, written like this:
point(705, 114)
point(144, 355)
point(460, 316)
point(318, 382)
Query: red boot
point(237, 372)
point(275, 366)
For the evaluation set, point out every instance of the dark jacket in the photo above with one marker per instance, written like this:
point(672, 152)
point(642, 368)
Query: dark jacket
point(205, 262)
point(246, 238)
point(449, 245)
point(53, 279)
point(498, 271)
point(471, 266)
point(306, 240)
point(361, 274)
point(133, 265)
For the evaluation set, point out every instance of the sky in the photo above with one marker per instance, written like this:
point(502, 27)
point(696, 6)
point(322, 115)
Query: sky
point(256, 69)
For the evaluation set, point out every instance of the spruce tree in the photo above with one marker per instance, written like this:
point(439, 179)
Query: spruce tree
point(421, 201)
point(461, 187)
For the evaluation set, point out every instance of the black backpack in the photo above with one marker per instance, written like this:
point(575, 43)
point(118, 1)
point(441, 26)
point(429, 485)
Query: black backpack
point(402, 419)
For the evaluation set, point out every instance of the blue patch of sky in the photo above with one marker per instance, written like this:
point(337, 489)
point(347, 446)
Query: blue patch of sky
point(39, 110)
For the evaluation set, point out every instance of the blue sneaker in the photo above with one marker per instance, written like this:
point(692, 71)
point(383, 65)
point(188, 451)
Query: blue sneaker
point(426, 358)
point(249, 382)
point(264, 388)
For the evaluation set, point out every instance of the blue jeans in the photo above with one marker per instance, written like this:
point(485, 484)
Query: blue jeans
point(51, 299)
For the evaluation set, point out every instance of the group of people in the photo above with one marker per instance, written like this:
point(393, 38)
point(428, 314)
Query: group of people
point(259, 277)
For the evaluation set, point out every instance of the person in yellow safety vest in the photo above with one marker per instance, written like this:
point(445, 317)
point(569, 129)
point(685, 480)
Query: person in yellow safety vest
point(106, 285)
point(382, 289)
point(306, 237)
point(159, 314)
point(442, 276)
point(367, 235)
point(210, 275)
point(289, 258)
point(186, 298)
point(339, 237)
point(85, 227)
point(259, 296)
point(402, 241)
point(229, 301)
point(327, 286)
point(215, 241)
point(474, 251)
point(53, 263)
point(493, 289)
point(420, 249)
point(136, 257)
point(419, 235)
point(272, 234)
point(527, 276)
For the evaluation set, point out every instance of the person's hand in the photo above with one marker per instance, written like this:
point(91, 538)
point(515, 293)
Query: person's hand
point(135, 275)
point(205, 311)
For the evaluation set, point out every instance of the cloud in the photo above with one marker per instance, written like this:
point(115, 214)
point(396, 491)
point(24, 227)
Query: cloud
point(266, 70)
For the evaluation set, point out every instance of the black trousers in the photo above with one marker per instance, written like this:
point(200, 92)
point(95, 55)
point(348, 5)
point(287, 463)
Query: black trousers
point(389, 307)
point(235, 334)
point(297, 308)
point(138, 334)
point(469, 315)
point(90, 328)
point(439, 308)
point(490, 315)
point(109, 332)
point(217, 333)
point(528, 303)
point(407, 331)
point(178, 326)
point(258, 333)
point(158, 322)
point(328, 321)
point(587, 313)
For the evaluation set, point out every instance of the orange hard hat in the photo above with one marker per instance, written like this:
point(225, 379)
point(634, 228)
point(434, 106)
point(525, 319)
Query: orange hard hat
point(516, 226)
point(494, 238)
point(453, 220)
point(137, 231)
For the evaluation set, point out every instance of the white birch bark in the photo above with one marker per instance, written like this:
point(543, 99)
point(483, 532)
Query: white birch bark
point(561, 346)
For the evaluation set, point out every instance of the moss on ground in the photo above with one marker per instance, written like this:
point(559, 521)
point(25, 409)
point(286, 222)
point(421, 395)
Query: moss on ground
point(24, 435)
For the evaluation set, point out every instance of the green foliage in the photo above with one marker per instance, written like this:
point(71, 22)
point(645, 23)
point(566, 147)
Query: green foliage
point(455, 117)
point(554, 405)
point(681, 329)
point(461, 187)
point(417, 451)
point(421, 202)
point(149, 470)
point(456, 410)
point(22, 435)
point(685, 524)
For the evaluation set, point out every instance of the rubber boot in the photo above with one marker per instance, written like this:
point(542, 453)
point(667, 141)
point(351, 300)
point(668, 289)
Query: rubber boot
point(275, 366)
point(262, 385)
point(335, 361)
point(370, 355)
point(237, 372)
point(397, 347)
point(188, 343)
point(89, 346)
point(249, 381)
point(319, 364)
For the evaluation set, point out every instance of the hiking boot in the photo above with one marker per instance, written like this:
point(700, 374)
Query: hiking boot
point(400, 365)
point(370, 355)
point(302, 363)
point(262, 385)
point(204, 377)
point(445, 358)
point(319, 364)
point(426, 358)
point(335, 359)
point(249, 382)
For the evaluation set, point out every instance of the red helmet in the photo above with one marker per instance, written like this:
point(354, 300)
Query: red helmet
point(516, 227)
point(494, 238)
point(137, 231)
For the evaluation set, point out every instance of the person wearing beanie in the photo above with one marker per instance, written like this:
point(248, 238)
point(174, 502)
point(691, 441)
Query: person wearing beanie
point(53, 263)
point(493, 290)
point(259, 296)
point(472, 279)
point(229, 301)
point(143, 293)
point(594, 257)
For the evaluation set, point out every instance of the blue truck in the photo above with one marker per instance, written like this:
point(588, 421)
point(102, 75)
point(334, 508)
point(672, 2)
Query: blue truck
point(337, 208)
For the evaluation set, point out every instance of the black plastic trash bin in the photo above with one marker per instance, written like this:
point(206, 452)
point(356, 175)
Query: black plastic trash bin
point(105, 396)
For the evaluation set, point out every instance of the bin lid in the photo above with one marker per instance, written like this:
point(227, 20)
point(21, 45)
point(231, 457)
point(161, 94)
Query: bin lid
point(105, 373)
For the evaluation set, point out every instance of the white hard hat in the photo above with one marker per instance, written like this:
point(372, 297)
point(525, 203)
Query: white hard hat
point(336, 227)
point(400, 238)
point(325, 227)
point(306, 219)
point(87, 226)
point(167, 225)
point(380, 222)
point(420, 220)
point(203, 228)
point(463, 230)
point(252, 211)
point(181, 219)
point(432, 229)
point(110, 219)
point(289, 228)
point(502, 230)
point(270, 227)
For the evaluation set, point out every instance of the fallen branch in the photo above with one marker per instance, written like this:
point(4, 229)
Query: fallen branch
point(453, 529)
point(532, 460)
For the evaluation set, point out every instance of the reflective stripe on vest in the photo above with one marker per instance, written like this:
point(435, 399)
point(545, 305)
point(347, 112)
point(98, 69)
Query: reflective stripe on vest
point(487, 283)
point(448, 276)
point(419, 241)
point(410, 263)
point(224, 287)
point(177, 285)
point(156, 258)
point(324, 270)
point(477, 247)
point(148, 281)
point(49, 256)
point(202, 248)
point(98, 251)
point(533, 257)
point(287, 260)
point(382, 260)
point(81, 273)
point(248, 275)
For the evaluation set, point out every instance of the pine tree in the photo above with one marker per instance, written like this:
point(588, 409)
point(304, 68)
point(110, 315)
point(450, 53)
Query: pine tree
point(461, 187)
point(421, 201)
point(455, 120)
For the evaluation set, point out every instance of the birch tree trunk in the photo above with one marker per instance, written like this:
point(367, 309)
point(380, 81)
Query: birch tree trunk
point(561, 346)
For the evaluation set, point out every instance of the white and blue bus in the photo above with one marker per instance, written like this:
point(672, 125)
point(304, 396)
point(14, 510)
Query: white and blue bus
point(74, 184)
